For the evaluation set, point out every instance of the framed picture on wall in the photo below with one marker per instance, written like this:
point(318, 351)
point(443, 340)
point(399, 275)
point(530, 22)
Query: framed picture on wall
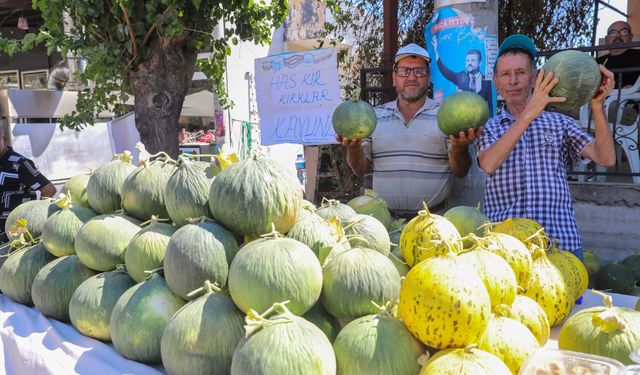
point(9, 79)
point(34, 79)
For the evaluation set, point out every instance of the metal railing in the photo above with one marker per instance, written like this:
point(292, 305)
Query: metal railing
point(371, 85)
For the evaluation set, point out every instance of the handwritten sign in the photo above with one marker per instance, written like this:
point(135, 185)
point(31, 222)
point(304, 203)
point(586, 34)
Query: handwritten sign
point(296, 94)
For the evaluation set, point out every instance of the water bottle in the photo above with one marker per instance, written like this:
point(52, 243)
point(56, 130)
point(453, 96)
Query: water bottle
point(301, 169)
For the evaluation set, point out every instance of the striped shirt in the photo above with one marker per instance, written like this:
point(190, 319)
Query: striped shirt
point(532, 181)
point(410, 160)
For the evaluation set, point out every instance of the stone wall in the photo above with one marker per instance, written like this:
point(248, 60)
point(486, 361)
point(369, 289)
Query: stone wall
point(608, 217)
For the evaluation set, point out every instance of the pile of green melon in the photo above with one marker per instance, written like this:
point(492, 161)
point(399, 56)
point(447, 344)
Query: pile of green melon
point(222, 267)
point(619, 277)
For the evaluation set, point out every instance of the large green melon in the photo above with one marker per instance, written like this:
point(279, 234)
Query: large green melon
point(76, 188)
point(55, 283)
point(35, 212)
point(144, 189)
point(101, 242)
point(60, 229)
point(467, 220)
point(275, 269)
point(147, 248)
point(633, 263)
point(187, 192)
point(615, 277)
point(19, 271)
point(354, 119)
point(140, 316)
point(92, 302)
point(201, 337)
point(250, 196)
point(196, 253)
point(579, 77)
point(461, 111)
point(104, 187)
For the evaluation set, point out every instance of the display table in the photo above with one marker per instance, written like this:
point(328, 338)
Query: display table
point(30, 343)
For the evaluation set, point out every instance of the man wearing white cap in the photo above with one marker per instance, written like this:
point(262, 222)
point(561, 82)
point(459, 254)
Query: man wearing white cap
point(411, 158)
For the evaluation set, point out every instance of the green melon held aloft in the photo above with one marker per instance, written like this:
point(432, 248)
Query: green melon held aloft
point(354, 119)
point(578, 77)
point(461, 111)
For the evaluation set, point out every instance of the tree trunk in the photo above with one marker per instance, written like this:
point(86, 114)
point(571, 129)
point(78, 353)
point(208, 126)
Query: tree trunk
point(160, 84)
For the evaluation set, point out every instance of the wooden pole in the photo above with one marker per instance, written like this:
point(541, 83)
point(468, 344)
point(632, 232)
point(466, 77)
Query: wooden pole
point(390, 43)
point(633, 12)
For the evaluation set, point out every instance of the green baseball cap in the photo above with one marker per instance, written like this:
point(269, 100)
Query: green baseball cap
point(518, 41)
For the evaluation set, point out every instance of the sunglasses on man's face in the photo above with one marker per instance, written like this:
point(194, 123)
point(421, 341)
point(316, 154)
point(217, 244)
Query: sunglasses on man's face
point(404, 72)
point(622, 32)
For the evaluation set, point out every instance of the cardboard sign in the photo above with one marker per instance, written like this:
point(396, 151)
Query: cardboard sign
point(296, 94)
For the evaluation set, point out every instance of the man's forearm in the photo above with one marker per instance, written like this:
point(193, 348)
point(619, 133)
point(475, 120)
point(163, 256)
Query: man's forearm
point(460, 161)
point(491, 159)
point(357, 160)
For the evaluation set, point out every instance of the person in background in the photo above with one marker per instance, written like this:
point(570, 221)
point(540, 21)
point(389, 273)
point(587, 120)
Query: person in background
point(411, 158)
point(619, 32)
point(471, 79)
point(525, 149)
point(19, 179)
point(182, 136)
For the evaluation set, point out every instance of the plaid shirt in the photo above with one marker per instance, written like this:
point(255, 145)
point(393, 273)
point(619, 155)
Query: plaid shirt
point(532, 182)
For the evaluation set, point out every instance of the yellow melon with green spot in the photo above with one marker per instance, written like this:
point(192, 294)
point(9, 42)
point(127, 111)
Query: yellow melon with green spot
point(444, 303)
point(526, 230)
point(428, 235)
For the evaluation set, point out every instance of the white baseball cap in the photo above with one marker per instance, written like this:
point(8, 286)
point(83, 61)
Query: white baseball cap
point(412, 50)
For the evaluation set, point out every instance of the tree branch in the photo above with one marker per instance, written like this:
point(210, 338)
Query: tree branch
point(152, 28)
point(96, 34)
point(132, 34)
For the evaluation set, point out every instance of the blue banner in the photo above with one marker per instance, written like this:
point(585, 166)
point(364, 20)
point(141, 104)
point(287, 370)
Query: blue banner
point(462, 56)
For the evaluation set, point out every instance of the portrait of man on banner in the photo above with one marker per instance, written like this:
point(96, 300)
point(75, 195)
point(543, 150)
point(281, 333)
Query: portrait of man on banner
point(464, 56)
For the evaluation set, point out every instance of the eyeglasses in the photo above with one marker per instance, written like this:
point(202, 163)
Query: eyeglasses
point(404, 72)
point(622, 32)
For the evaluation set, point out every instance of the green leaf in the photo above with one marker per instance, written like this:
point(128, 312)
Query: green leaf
point(12, 47)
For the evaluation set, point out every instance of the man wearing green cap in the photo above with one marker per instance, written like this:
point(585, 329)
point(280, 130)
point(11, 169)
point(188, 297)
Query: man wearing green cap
point(525, 149)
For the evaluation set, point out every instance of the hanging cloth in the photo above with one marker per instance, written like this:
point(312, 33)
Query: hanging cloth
point(247, 142)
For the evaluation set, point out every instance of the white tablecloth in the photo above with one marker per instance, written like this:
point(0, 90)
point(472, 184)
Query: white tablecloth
point(30, 343)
